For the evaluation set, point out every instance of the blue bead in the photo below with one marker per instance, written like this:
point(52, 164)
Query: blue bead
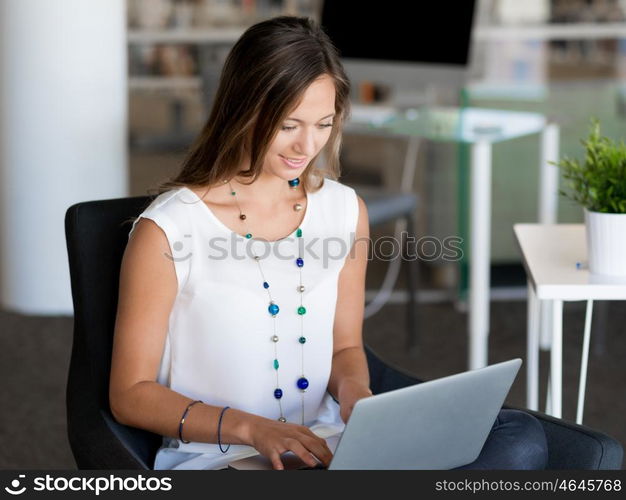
point(278, 393)
point(294, 182)
point(300, 262)
point(273, 309)
point(303, 383)
point(266, 284)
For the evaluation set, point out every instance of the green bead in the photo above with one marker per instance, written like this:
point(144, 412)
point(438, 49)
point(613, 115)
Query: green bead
point(302, 340)
point(233, 193)
point(299, 233)
point(301, 310)
point(249, 235)
point(275, 364)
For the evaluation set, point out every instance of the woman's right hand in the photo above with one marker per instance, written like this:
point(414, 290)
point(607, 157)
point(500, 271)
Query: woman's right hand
point(273, 438)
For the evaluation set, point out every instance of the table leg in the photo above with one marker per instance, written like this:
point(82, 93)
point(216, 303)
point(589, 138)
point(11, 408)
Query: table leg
point(556, 358)
point(480, 255)
point(532, 350)
point(583, 363)
point(545, 325)
point(549, 175)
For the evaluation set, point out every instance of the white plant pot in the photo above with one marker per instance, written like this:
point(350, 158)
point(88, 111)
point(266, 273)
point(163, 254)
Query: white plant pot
point(606, 243)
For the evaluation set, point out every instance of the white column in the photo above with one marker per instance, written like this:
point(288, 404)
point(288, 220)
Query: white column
point(548, 208)
point(63, 122)
point(480, 254)
point(549, 175)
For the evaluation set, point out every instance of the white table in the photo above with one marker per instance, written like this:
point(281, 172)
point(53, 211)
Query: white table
point(481, 128)
point(555, 258)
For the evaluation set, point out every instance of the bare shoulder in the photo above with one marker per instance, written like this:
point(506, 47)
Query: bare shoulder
point(145, 263)
point(145, 236)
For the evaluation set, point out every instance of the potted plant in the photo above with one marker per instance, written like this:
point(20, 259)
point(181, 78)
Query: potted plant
point(598, 183)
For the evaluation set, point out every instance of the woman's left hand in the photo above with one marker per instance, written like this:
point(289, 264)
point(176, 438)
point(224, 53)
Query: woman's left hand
point(349, 393)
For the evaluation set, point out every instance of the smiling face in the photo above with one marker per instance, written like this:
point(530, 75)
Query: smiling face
point(304, 132)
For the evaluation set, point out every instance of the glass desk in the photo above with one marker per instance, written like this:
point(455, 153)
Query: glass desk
point(480, 128)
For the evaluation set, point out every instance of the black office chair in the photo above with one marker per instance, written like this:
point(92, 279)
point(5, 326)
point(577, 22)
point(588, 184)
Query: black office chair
point(96, 235)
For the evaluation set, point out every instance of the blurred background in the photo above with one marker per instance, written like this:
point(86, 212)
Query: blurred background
point(101, 99)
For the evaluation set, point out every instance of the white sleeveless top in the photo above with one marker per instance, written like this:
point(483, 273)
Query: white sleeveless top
point(219, 346)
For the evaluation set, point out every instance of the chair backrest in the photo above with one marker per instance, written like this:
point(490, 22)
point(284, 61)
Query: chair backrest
point(96, 233)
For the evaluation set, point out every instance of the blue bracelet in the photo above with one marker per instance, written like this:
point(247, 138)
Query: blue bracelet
point(219, 430)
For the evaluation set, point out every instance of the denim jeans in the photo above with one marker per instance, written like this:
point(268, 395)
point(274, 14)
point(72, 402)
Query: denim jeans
point(516, 441)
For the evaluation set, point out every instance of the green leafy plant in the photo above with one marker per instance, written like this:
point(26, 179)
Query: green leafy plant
point(599, 182)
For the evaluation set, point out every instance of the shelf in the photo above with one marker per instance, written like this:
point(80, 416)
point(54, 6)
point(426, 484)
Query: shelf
point(195, 35)
point(570, 31)
point(160, 83)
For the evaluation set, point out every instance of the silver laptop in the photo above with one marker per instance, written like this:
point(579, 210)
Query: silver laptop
point(440, 424)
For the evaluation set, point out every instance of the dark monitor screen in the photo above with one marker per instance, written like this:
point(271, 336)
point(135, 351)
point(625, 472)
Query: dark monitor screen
point(421, 31)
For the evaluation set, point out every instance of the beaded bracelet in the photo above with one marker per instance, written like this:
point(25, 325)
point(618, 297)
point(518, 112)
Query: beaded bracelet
point(182, 421)
point(219, 430)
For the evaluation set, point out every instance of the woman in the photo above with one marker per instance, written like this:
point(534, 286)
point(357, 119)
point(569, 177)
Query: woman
point(241, 300)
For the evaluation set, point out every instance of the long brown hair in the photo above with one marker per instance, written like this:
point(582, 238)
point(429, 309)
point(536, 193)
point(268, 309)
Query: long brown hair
point(264, 77)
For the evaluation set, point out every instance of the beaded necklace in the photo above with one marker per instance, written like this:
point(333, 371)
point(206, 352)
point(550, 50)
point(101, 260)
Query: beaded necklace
point(301, 383)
